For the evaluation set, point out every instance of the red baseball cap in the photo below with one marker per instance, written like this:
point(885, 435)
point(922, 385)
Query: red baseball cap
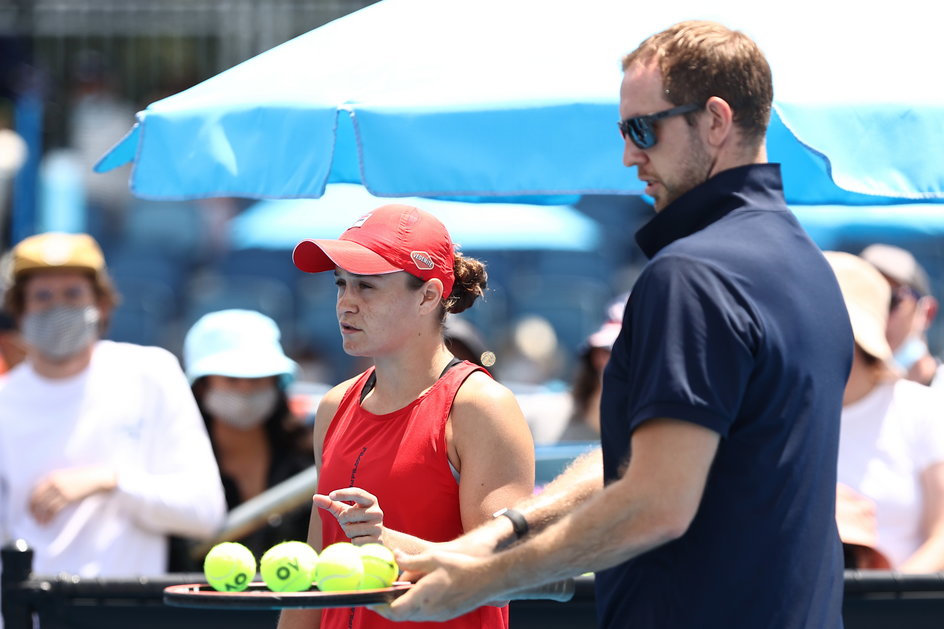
point(389, 239)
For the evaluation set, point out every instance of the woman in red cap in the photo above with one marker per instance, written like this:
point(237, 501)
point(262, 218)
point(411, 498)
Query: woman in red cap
point(422, 446)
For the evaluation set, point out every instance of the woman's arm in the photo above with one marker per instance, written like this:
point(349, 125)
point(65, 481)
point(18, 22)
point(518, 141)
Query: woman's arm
point(490, 445)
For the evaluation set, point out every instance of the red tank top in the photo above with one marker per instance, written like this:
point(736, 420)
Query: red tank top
point(401, 458)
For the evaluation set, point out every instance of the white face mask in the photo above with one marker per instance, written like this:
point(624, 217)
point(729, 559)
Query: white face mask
point(241, 410)
point(910, 352)
point(61, 331)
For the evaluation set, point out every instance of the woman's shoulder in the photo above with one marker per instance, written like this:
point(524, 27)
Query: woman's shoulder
point(480, 393)
point(336, 393)
point(480, 382)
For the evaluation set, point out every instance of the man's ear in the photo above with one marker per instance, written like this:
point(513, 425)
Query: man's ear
point(720, 121)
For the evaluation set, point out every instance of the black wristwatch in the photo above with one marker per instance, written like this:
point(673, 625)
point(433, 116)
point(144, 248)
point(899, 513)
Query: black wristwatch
point(518, 523)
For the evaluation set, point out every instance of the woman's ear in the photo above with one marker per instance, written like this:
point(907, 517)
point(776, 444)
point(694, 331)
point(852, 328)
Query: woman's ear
point(431, 295)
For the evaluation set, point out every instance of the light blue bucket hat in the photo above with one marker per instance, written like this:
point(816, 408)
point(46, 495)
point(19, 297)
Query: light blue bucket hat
point(236, 344)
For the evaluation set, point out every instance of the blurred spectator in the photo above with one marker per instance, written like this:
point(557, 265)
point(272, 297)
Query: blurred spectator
point(102, 451)
point(891, 445)
point(533, 354)
point(572, 413)
point(465, 342)
point(584, 424)
point(913, 311)
point(99, 118)
point(13, 154)
point(239, 374)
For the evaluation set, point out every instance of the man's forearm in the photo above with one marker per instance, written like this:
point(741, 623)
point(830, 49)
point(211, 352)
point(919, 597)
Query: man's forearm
point(579, 481)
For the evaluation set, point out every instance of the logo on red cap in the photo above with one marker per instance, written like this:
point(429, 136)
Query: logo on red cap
point(422, 260)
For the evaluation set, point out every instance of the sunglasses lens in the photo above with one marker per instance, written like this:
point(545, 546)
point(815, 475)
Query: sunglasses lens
point(640, 132)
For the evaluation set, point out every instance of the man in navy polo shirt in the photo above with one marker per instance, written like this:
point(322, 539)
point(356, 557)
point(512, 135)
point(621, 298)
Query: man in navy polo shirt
point(715, 502)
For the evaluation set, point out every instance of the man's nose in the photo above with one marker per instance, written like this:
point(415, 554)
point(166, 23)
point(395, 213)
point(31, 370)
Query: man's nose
point(633, 155)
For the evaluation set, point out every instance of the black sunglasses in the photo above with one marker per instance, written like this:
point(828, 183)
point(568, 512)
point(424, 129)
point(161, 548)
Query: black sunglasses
point(639, 129)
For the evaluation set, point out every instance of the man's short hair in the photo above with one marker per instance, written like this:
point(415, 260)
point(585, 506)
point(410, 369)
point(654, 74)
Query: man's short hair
point(701, 59)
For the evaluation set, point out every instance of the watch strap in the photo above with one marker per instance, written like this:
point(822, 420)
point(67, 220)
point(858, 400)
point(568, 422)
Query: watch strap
point(518, 521)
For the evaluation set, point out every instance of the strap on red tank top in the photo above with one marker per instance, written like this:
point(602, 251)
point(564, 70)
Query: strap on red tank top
point(372, 378)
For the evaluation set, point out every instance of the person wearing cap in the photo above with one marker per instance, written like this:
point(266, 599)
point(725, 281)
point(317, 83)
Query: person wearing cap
point(584, 422)
point(891, 444)
point(913, 310)
point(102, 451)
point(239, 375)
point(421, 446)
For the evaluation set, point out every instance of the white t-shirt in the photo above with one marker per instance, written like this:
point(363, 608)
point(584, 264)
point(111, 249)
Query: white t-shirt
point(131, 409)
point(887, 440)
point(937, 382)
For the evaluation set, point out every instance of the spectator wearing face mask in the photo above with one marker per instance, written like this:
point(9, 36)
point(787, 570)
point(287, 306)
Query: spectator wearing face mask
point(913, 309)
point(891, 440)
point(102, 452)
point(239, 375)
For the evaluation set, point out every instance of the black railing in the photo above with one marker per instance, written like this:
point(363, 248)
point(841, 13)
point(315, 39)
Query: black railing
point(873, 600)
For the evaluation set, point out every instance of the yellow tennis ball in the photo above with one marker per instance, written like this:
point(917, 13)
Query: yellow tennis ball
point(339, 568)
point(289, 567)
point(229, 567)
point(380, 567)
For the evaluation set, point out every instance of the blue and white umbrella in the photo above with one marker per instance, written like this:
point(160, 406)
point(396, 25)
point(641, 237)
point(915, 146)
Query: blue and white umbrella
point(516, 98)
point(282, 223)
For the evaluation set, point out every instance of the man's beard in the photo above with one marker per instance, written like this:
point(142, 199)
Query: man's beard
point(693, 171)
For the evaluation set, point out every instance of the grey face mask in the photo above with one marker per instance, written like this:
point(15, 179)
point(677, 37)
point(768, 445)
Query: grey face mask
point(61, 331)
point(241, 410)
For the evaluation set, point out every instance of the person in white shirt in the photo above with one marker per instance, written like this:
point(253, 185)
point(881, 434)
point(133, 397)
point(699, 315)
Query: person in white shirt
point(103, 453)
point(891, 444)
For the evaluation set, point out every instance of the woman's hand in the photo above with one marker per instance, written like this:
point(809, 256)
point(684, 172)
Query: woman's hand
point(357, 511)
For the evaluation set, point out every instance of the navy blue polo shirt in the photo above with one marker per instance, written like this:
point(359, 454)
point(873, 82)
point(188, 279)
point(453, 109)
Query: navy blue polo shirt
point(736, 324)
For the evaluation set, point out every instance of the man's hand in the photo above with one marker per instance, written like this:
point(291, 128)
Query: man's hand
point(361, 521)
point(60, 488)
point(447, 585)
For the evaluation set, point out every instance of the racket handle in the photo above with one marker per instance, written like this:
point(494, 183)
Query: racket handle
point(561, 591)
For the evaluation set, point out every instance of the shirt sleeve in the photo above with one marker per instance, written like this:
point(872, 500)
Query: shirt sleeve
point(694, 338)
point(175, 487)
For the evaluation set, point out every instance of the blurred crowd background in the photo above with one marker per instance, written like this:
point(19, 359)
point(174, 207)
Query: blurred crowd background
point(72, 76)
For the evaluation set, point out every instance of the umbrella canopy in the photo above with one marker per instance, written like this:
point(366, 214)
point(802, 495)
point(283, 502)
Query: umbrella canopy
point(281, 223)
point(912, 225)
point(495, 98)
